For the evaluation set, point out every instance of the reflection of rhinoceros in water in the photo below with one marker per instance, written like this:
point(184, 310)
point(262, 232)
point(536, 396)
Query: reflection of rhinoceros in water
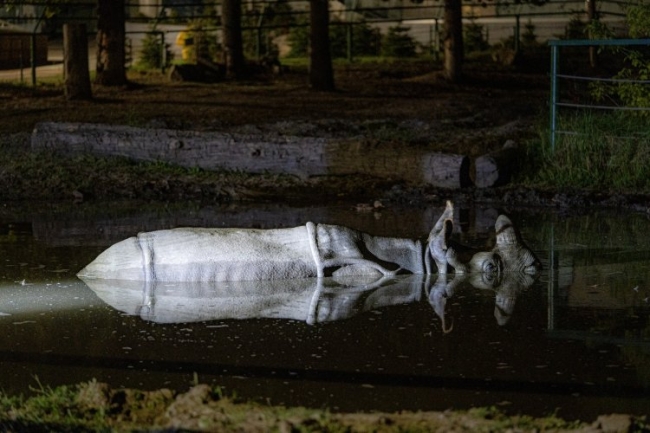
point(217, 255)
point(312, 300)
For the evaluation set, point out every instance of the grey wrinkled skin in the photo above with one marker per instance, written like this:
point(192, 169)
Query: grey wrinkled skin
point(509, 255)
point(213, 255)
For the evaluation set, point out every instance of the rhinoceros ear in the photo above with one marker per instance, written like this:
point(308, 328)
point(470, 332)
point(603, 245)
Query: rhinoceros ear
point(447, 214)
point(506, 231)
point(442, 230)
point(439, 238)
point(514, 252)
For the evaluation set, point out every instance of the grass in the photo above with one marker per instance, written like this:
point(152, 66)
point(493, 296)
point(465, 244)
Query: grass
point(594, 151)
point(49, 409)
point(48, 176)
point(94, 406)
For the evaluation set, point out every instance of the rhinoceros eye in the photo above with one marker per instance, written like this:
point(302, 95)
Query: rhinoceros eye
point(492, 266)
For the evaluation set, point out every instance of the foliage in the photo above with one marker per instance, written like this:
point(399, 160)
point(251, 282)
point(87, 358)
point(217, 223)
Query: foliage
point(261, 26)
point(598, 151)
point(299, 38)
point(50, 14)
point(279, 15)
point(633, 93)
point(94, 406)
point(398, 43)
point(151, 53)
point(49, 407)
point(529, 37)
point(365, 40)
point(49, 8)
point(474, 38)
point(629, 91)
point(638, 19)
point(575, 28)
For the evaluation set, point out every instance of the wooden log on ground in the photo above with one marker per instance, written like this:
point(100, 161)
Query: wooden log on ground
point(299, 156)
point(448, 170)
point(200, 73)
point(415, 165)
point(497, 168)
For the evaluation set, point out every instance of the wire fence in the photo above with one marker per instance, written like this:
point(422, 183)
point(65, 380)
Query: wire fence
point(583, 93)
point(266, 20)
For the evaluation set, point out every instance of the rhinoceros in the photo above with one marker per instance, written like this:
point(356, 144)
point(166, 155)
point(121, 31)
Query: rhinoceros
point(313, 250)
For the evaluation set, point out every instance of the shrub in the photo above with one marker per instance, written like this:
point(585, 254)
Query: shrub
point(151, 53)
point(474, 39)
point(601, 151)
point(398, 43)
point(299, 38)
point(636, 64)
point(575, 29)
point(365, 39)
point(529, 37)
point(275, 19)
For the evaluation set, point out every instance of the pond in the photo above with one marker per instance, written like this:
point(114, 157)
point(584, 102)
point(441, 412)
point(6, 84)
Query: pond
point(575, 341)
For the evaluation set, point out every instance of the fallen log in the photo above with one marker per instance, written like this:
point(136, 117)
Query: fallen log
point(299, 156)
point(496, 168)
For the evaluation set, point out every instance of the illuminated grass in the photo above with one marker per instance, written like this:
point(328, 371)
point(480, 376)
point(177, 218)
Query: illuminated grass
point(598, 151)
point(94, 406)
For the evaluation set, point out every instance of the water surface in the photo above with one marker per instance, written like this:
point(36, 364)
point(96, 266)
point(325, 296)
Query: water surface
point(576, 340)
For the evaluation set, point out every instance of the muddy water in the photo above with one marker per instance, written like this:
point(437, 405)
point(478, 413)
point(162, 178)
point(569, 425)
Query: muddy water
point(575, 341)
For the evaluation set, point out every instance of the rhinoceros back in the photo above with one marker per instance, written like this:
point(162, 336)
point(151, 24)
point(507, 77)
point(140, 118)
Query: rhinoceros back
point(204, 254)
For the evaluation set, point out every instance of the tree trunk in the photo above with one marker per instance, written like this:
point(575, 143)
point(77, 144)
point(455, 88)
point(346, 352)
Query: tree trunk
point(232, 38)
point(453, 39)
point(321, 74)
point(110, 43)
point(75, 49)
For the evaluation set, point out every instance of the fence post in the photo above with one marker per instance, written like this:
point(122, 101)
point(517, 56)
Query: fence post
point(20, 60)
point(517, 33)
point(436, 43)
point(553, 100)
point(349, 37)
point(163, 53)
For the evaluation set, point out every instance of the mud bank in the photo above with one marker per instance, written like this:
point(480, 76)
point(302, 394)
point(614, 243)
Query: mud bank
point(95, 406)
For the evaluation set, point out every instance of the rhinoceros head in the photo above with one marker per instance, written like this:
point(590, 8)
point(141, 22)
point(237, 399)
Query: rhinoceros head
point(510, 254)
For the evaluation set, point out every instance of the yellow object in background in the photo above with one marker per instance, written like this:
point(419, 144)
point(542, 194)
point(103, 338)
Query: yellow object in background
point(186, 39)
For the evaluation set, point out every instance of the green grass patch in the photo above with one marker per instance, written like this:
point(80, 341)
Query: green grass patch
point(594, 150)
point(94, 406)
point(49, 176)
